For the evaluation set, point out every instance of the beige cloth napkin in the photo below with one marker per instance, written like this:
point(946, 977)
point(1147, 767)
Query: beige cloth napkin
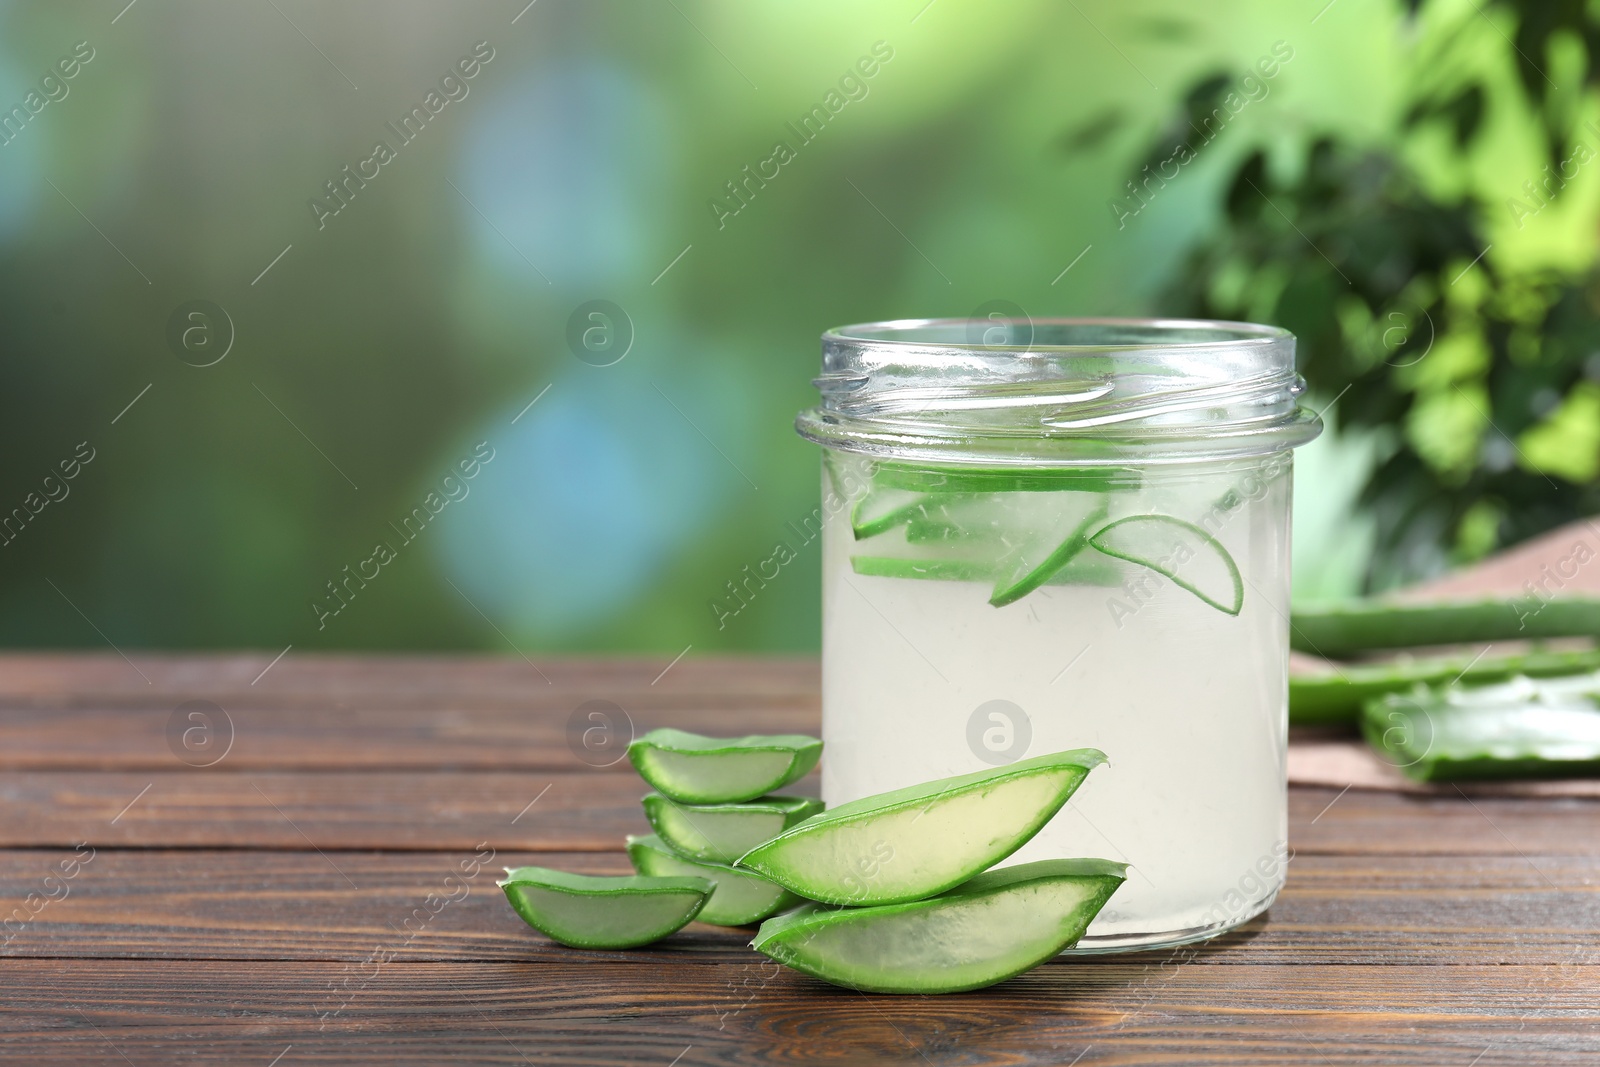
point(1548, 562)
point(1353, 764)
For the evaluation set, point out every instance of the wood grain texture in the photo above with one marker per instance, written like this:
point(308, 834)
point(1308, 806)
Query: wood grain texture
point(580, 811)
point(79, 679)
point(534, 735)
point(625, 1011)
point(344, 712)
point(590, 810)
point(350, 906)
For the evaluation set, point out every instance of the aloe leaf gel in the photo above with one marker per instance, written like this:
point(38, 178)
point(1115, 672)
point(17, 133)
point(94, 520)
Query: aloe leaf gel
point(721, 833)
point(988, 929)
point(915, 842)
point(738, 898)
point(603, 911)
point(696, 769)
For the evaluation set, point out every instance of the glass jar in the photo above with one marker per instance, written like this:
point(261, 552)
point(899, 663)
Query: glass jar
point(1053, 534)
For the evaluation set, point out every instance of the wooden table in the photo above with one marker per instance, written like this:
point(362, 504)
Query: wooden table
point(324, 893)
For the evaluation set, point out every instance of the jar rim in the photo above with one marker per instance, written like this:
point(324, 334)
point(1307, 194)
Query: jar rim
point(1154, 332)
point(1019, 391)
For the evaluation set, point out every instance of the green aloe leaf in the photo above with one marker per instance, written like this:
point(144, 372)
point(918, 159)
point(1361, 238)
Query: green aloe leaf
point(1337, 695)
point(721, 833)
point(696, 769)
point(594, 911)
point(739, 897)
point(1180, 551)
point(1521, 729)
point(988, 929)
point(912, 843)
point(1351, 627)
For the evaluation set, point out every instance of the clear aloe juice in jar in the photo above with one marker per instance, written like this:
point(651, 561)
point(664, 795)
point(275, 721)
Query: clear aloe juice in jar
point(1059, 534)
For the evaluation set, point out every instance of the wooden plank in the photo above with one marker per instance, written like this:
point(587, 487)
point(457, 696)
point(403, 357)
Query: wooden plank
point(354, 906)
point(544, 731)
point(703, 1012)
point(1360, 822)
point(590, 810)
point(584, 811)
point(77, 679)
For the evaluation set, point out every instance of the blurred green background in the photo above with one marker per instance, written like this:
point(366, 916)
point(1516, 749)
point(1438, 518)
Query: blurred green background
point(365, 354)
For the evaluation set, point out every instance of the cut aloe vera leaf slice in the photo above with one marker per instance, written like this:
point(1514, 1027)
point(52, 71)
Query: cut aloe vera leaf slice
point(719, 770)
point(926, 529)
point(739, 897)
point(946, 570)
point(989, 928)
point(1080, 570)
point(990, 480)
point(836, 478)
point(1180, 551)
point(1027, 576)
point(1354, 626)
point(881, 510)
point(1013, 540)
point(721, 833)
point(594, 911)
point(1521, 729)
point(1337, 695)
point(958, 519)
point(921, 840)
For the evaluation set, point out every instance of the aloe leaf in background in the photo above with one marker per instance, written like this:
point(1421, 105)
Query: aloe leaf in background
point(924, 839)
point(1337, 694)
point(721, 833)
point(1521, 729)
point(1355, 626)
point(696, 769)
point(738, 898)
point(986, 930)
point(597, 911)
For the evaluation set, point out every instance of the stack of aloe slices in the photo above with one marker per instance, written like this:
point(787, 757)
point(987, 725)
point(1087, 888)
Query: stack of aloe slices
point(1020, 530)
point(713, 803)
point(895, 893)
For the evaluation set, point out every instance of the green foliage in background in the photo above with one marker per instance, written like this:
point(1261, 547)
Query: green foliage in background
point(239, 504)
point(1478, 370)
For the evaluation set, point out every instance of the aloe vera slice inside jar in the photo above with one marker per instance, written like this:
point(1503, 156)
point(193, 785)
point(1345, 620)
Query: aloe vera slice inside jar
point(714, 770)
point(597, 911)
point(1029, 529)
point(915, 842)
point(721, 833)
point(1181, 551)
point(738, 898)
point(988, 929)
